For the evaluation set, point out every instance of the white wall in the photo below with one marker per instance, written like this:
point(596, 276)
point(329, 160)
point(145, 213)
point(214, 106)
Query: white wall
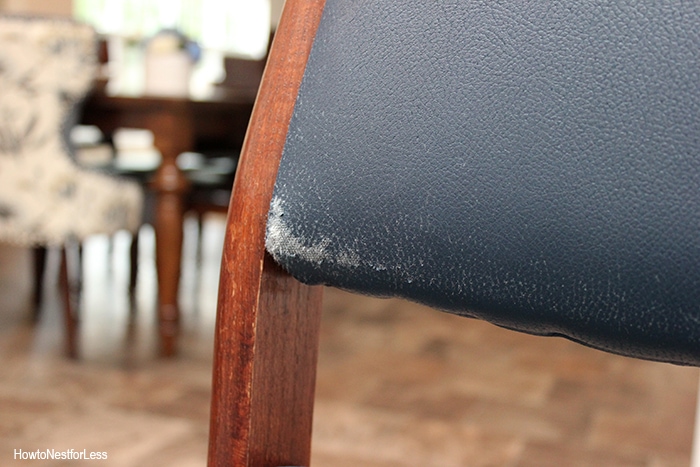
point(275, 12)
point(38, 7)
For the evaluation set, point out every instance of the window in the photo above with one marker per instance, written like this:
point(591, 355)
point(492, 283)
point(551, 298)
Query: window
point(231, 27)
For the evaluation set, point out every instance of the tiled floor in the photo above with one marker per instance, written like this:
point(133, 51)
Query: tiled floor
point(398, 385)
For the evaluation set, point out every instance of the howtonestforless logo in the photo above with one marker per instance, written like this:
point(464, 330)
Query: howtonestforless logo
point(53, 454)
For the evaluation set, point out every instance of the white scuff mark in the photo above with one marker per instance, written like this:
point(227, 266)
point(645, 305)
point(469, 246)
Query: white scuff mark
point(281, 242)
point(283, 245)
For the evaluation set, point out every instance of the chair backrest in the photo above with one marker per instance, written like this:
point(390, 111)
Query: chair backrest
point(531, 164)
point(536, 165)
point(47, 66)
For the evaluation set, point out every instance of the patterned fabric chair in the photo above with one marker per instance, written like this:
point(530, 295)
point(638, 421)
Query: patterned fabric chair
point(46, 68)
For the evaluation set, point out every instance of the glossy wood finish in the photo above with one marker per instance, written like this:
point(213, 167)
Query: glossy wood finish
point(266, 339)
point(178, 124)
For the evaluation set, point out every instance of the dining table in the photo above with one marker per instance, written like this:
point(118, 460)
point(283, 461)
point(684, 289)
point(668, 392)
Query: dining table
point(180, 123)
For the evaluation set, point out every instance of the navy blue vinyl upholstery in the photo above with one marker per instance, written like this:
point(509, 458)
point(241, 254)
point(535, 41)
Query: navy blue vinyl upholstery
point(535, 164)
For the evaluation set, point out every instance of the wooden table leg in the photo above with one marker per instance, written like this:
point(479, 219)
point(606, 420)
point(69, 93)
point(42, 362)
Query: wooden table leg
point(171, 137)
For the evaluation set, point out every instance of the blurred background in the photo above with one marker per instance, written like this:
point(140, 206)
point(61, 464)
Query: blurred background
point(398, 384)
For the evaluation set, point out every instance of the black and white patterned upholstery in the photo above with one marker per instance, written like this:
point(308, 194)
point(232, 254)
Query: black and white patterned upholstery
point(46, 68)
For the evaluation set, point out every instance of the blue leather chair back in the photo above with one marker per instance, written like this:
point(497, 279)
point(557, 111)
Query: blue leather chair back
point(535, 164)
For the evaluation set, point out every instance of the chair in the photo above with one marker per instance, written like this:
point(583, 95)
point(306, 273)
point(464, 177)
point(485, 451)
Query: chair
point(46, 67)
point(534, 165)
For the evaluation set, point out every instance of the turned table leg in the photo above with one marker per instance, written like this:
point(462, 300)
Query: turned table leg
point(172, 137)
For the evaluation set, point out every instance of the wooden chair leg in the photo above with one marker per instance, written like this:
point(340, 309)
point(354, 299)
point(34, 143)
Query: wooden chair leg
point(199, 218)
point(69, 306)
point(133, 270)
point(39, 253)
point(78, 258)
point(265, 374)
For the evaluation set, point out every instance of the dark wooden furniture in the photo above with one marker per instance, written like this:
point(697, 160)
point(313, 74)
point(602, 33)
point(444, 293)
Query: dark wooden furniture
point(178, 124)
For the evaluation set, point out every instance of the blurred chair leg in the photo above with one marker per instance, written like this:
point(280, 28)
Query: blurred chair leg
point(200, 230)
point(133, 270)
point(69, 305)
point(39, 253)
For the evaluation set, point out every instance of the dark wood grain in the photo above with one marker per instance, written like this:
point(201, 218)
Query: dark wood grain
point(266, 340)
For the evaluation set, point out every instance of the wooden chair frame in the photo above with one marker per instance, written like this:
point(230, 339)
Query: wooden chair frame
point(267, 330)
